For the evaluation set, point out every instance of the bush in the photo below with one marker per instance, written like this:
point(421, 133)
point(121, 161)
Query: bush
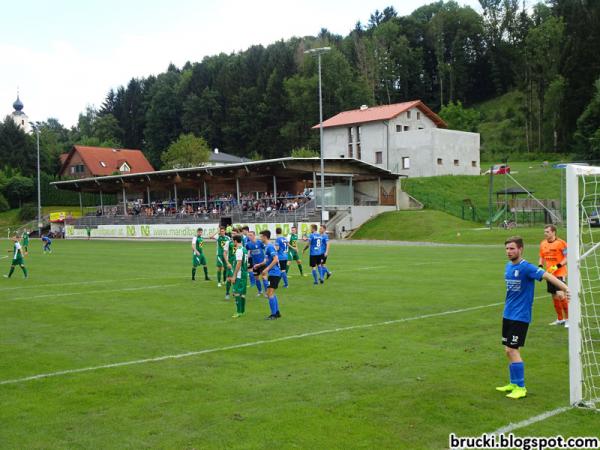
point(27, 212)
point(4, 206)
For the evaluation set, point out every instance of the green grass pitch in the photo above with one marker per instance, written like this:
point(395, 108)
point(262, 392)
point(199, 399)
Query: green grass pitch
point(403, 384)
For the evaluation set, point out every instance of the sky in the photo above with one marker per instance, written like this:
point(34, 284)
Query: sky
point(65, 55)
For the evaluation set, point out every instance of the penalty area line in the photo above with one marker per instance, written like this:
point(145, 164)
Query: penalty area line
point(244, 345)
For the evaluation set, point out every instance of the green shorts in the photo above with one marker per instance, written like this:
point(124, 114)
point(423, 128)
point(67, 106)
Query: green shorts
point(230, 271)
point(293, 255)
point(198, 260)
point(239, 287)
point(220, 262)
point(18, 261)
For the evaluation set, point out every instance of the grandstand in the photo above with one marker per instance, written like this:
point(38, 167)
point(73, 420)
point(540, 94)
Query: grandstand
point(283, 190)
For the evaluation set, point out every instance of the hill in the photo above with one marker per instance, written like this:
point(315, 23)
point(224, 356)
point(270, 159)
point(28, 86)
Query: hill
point(436, 226)
point(447, 193)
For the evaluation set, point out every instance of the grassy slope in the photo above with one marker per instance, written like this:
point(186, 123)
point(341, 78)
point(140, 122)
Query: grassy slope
point(436, 226)
point(401, 385)
point(544, 182)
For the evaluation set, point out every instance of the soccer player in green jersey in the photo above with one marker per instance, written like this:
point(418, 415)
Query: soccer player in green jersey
point(240, 276)
point(17, 258)
point(198, 257)
point(88, 231)
point(293, 254)
point(230, 263)
point(222, 245)
point(26, 241)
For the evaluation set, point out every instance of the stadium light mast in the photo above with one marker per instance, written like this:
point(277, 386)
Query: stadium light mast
point(36, 128)
point(319, 51)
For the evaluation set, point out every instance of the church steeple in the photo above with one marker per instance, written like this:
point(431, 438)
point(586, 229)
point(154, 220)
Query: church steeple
point(19, 117)
point(18, 104)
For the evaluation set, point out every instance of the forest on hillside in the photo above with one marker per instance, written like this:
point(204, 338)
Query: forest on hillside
point(262, 102)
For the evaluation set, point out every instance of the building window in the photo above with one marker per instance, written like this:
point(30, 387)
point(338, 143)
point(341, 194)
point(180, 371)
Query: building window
point(358, 153)
point(350, 152)
point(398, 128)
point(473, 163)
point(456, 163)
point(124, 168)
point(408, 114)
point(102, 163)
point(406, 128)
point(439, 161)
point(72, 169)
point(378, 157)
point(418, 115)
point(405, 162)
point(420, 128)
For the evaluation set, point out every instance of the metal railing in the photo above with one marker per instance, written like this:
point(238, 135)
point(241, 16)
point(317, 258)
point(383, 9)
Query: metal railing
point(305, 213)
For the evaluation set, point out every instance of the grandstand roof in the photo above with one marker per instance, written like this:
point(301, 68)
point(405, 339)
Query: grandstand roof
point(280, 167)
point(380, 113)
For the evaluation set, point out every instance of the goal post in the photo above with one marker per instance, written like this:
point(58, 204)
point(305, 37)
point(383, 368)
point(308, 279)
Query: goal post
point(583, 261)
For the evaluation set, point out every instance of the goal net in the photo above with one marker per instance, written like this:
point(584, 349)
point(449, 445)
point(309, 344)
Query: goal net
point(583, 259)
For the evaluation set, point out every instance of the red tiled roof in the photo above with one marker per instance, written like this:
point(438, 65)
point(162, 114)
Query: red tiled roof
point(379, 113)
point(105, 161)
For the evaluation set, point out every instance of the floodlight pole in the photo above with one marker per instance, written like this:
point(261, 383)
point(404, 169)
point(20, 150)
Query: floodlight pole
point(319, 52)
point(36, 127)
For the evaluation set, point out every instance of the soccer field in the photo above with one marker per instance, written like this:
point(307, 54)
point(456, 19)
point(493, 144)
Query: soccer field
point(398, 349)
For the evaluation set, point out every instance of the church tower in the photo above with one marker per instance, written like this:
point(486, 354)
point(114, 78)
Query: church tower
point(19, 117)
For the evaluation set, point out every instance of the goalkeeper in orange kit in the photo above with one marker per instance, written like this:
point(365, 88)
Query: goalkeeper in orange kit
point(553, 255)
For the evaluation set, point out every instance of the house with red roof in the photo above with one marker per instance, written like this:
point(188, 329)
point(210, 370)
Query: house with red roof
point(406, 138)
point(85, 162)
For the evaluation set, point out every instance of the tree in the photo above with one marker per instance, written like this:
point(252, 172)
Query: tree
point(18, 149)
point(459, 118)
point(106, 129)
point(187, 151)
point(17, 189)
point(588, 127)
point(304, 152)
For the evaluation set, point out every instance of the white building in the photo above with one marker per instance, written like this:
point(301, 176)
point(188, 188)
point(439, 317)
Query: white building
point(19, 117)
point(404, 138)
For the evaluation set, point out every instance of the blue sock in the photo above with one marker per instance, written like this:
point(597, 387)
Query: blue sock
point(265, 284)
point(273, 304)
point(314, 274)
point(252, 279)
point(321, 272)
point(517, 373)
point(326, 270)
point(259, 286)
point(284, 277)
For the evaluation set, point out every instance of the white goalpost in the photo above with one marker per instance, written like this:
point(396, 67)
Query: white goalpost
point(583, 261)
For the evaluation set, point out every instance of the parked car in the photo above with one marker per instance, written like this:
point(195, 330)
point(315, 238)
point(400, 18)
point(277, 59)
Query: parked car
point(498, 169)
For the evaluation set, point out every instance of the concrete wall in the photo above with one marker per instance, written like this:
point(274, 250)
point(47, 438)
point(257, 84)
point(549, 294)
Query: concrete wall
point(425, 147)
point(357, 216)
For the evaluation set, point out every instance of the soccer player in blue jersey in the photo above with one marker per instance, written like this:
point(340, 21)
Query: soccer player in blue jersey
point(272, 270)
point(315, 243)
point(47, 243)
point(282, 245)
point(256, 250)
point(520, 277)
point(325, 246)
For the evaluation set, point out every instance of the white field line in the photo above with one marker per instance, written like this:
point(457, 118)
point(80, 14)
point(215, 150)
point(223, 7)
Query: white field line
point(76, 283)
point(244, 345)
point(525, 423)
point(68, 294)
